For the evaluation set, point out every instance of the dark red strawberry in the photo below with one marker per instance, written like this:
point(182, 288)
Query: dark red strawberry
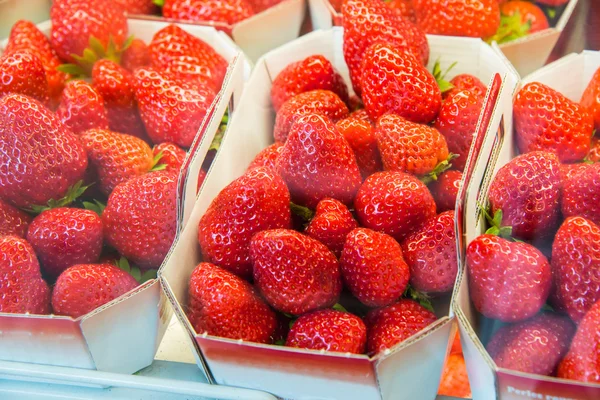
point(594, 154)
point(445, 190)
point(23, 72)
point(82, 108)
point(222, 304)
point(295, 273)
point(201, 178)
point(581, 194)
point(267, 157)
point(256, 201)
point(329, 330)
point(466, 82)
point(360, 135)
point(330, 225)
point(13, 221)
point(261, 5)
point(567, 171)
point(590, 100)
point(173, 156)
point(138, 6)
point(224, 11)
point(136, 55)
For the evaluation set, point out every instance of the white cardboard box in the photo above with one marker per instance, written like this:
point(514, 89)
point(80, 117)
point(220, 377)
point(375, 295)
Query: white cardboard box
point(411, 369)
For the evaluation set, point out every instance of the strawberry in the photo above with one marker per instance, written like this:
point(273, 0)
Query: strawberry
point(395, 82)
point(590, 100)
point(82, 108)
point(473, 18)
point(256, 201)
point(136, 55)
point(527, 190)
point(173, 156)
point(116, 157)
point(391, 325)
point(222, 304)
point(63, 237)
point(409, 147)
point(40, 159)
point(140, 218)
point(22, 289)
point(171, 112)
point(577, 284)
point(23, 72)
point(567, 171)
point(261, 5)
point(553, 3)
point(546, 120)
point(393, 202)
point(13, 221)
point(534, 346)
point(82, 288)
point(323, 102)
point(509, 281)
point(317, 162)
point(328, 330)
point(295, 273)
point(330, 225)
point(594, 154)
point(138, 6)
point(312, 73)
point(466, 82)
point(455, 381)
point(224, 11)
point(402, 7)
point(430, 252)
point(373, 267)
point(445, 190)
point(267, 157)
point(581, 194)
point(361, 137)
point(201, 178)
point(530, 15)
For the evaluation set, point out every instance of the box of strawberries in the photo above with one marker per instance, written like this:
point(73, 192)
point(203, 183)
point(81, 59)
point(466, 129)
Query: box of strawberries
point(527, 301)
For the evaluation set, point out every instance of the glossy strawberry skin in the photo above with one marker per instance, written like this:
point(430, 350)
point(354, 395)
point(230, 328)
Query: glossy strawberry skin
point(567, 171)
point(225, 11)
point(329, 330)
point(455, 380)
point(466, 82)
point(267, 157)
point(22, 72)
point(553, 3)
point(545, 120)
point(173, 156)
point(13, 221)
point(590, 100)
point(360, 135)
point(594, 154)
point(295, 273)
point(393, 202)
point(445, 190)
point(256, 201)
point(330, 225)
point(581, 194)
point(404, 8)
point(396, 82)
point(136, 55)
point(82, 108)
point(35, 175)
point(146, 7)
point(222, 304)
point(530, 14)
point(509, 281)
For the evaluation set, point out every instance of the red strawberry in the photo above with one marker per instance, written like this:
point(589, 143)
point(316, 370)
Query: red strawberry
point(82, 108)
point(361, 114)
point(553, 3)
point(140, 218)
point(201, 178)
point(569, 170)
point(330, 225)
point(395, 82)
point(509, 281)
point(430, 252)
point(295, 273)
point(40, 159)
point(173, 156)
point(322, 102)
point(530, 15)
point(22, 289)
point(546, 120)
point(393, 324)
point(393, 202)
point(225, 11)
point(581, 194)
point(329, 330)
point(23, 72)
point(466, 82)
point(590, 100)
point(222, 304)
point(63, 237)
point(445, 190)
point(138, 6)
point(261, 5)
point(136, 55)
point(594, 154)
point(402, 7)
point(256, 201)
point(13, 221)
point(373, 267)
point(528, 190)
point(535, 346)
point(267, 157)
point(455, 381)
point(317, 162)
point(312, 73)
point(361, 138)
point(82, 288)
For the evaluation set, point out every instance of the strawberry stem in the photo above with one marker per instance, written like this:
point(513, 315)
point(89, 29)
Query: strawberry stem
point(440, 76)
point(155, 165)
point(305, 213)
point(421, 298)
point(439, 169)
point(339, 307)
point(96, 206)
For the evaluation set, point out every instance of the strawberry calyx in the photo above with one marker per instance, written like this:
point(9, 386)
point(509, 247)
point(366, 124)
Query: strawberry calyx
point(439, 169)
point(95, 52)
point(123, 264)
point(496, 227)
point(440, 76)
point(216, 142)
point(420, 297)
point(73, 193)
point(155, 163)
point(551, 12)
point(304, 213)
point(339, 307)
point(159, 3)
point(97, 206)
point(511, 28)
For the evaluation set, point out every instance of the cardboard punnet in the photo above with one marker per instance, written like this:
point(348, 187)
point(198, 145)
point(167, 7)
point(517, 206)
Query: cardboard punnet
point(13, 10)
point(404, 372)
point(527, 54)
point(123, 335)
point(569, 75)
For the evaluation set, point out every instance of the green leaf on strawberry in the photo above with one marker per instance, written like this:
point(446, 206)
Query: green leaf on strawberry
point(97, 206)
point(159, 3)
point(439, 169)
point(305, 213)
point(95, 52)
point(134, 271)
point(155, 163)
point(511, 28)
point(496, 227)
point(73, 193)
point(419, 297)
point(440, 76)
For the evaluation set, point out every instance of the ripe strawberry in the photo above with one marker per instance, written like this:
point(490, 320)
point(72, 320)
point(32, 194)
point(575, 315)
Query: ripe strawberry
point(40, 159)
point(323, 102)
point(312, 73)
point(409, 147)
point(361, 138)
point(509, 281)
point(391, 325)
point(267, 157)
point(330, 225)
point(553, 3)
point(224, 11)
point(82, 108)
point(171, 112)
point(201, 178)
point(581, 194)
point(82, 288)
point(474, 18)
point(140, 218)
point(530, 15)
point(261, 5)
point(63, 237)
point(138, 6)
point(402, 7)
point(22, 72)
point(328, 330)
point(528, 191)
point(136, 55)
point(295, 273)
point(466, 82)
point(317, 162)
point(395, 82)
point(546, 120)
point(445, 190)
point(373, 267)
point(569, 170)
point(22, 289)
point(222, 304)
point(173, 156)
point(393, 202)
point(430, 252)
point(590, 100)
point(13, 221)
point(594, 154)
point(455, 381)
point(535, 346)
point(256, 201)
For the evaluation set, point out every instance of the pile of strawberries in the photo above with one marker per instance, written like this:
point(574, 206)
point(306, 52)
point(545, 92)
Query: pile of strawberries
point(82, 190)
point(537, 266)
